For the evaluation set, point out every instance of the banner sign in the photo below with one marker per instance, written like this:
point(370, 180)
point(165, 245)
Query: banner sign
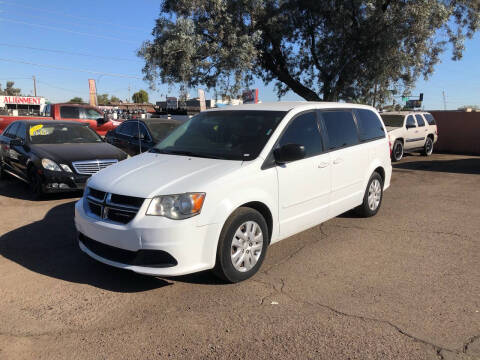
point(250, 96)
point(93, 92)
point(201, 98)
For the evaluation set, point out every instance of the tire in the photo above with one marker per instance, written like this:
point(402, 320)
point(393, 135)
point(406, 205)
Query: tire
point(35, 183)
point(2, 173)
point(397, 151)
point(372, 200)
point(233, 247)
point(428, 147)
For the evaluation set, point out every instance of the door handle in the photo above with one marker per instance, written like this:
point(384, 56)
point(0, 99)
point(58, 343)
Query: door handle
point(337, 161)
point(323, 164)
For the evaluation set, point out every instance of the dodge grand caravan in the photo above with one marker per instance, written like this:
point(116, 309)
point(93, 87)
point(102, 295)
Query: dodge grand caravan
point(229, 182)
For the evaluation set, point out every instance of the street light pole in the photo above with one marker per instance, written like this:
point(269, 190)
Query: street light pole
point(34, 85)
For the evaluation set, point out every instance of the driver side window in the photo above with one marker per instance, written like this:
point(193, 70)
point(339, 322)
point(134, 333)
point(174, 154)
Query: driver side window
point(411, 121)
point(304, 130)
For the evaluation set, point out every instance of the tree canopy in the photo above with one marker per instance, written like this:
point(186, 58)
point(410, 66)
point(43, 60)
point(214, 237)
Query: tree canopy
point(140, 97)
point(356, 50)
point(10, 90)
point(102, 99)
point(76, 100)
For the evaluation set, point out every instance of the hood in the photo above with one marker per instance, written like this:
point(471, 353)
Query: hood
point(150, 174)
point(390, 128)
point(68, 153)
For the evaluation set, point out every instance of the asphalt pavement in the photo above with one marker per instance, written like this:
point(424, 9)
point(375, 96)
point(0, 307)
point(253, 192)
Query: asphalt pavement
point(404, 284)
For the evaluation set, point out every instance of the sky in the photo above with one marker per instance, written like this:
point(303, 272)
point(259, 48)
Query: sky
point(65, 43)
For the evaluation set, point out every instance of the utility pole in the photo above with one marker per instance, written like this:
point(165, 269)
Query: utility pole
point(444, 100)
point(129, 97)
point(34, 85)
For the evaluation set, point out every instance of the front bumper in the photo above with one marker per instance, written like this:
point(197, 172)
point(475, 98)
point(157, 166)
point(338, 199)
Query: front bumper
point(61, 181)
point(126, 246)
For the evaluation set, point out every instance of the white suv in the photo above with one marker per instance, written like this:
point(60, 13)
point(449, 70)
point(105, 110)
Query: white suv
point(228, 183)
point(410, 131)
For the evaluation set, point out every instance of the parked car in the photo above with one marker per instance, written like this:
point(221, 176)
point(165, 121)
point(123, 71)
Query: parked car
point(410, 131)
point(137, 136)
point(54, 156)
point(226, 184)
point(83, 113)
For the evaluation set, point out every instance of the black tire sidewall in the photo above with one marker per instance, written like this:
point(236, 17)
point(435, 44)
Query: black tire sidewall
point(395, 144)
point(37, 192)
point(224, 267)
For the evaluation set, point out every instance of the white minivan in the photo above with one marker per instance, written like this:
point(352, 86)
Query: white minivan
point(229, 182)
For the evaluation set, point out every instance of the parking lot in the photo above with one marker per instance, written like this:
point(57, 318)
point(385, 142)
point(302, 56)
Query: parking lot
point(402, 285)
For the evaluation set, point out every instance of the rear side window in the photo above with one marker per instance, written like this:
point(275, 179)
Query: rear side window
point(430, 119)
point(69, 112)
point(304, 130)
point(21, 131)
point(369, 125)
point(341, 128)
point(420, 120)
point(411, 121)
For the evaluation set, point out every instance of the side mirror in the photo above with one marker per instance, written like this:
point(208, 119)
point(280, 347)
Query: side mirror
point(288, 153)
point(101, 121)
point(17, 142)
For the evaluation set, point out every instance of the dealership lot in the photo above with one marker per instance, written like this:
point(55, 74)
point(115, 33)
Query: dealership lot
point(402, 285)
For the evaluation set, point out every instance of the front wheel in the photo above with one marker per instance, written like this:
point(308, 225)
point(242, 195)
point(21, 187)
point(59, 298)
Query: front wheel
point(242, 245)
point(373, 196)
point(2, 172)
point(428, 147)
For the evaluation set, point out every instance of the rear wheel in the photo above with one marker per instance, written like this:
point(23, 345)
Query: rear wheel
point(428, 147)
point(373, 196)
point(35, 183)
point(397, 150)
point(242, 245)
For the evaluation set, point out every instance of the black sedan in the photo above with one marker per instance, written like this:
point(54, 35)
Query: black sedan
point(139, 135)
point(54, 156)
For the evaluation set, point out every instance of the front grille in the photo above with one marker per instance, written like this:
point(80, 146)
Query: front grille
point(151, 258)
point(91, 167)
point(117, 208)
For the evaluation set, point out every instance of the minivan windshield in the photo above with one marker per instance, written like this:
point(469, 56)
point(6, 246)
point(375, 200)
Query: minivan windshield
point(392, 120)
point(233, 135)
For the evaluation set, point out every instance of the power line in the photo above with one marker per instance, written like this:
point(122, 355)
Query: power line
point(67, 52)
point(57, 87)
point(8, 3)
point(71, 69)
point(67, 30)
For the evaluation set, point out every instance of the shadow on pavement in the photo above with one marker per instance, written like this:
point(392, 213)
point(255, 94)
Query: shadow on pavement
point(49, 247)
point(16, 189)
point(457, 166)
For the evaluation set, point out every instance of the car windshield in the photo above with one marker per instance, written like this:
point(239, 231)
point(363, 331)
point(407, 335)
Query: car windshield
point(392, 120)
point(61, 134)
point(234, 135)
point(160, 130)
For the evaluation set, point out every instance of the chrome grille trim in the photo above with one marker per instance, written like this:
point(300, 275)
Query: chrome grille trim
point(90, 167)
point(105, 209)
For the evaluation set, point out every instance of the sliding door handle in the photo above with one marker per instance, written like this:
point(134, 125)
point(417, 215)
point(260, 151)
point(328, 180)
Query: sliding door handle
point(323, 164)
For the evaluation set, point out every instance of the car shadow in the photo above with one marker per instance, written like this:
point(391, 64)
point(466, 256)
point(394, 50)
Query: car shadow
point(49, 247)
point(458, 166)
point(16, 189)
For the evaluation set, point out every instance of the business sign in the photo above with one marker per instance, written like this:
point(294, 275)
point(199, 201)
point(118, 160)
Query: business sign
point(172, 103)
point(21, 100)
point(412, 104)
point(250, 96)
point(93, 92)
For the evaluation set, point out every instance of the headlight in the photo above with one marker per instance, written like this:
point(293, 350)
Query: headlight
point(50, 165)
point(177, 207)
point(65, 167)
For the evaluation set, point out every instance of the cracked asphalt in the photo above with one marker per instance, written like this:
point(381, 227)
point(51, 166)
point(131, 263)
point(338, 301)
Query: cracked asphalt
point(402, 285)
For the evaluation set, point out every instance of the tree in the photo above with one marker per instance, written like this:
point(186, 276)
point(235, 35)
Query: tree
point(114, 100)
point(10, 90)
point(102, 99)
point(140, 97)
point(356, 50)
point(76, 100)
